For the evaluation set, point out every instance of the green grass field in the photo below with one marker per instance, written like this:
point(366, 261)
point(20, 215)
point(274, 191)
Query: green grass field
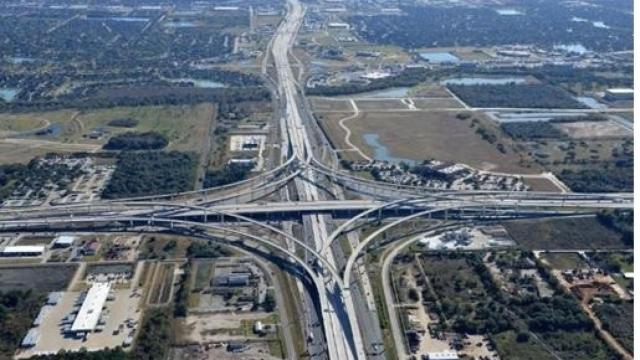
point(185, 126)
point(573, 233)
point(565, 261)
point(509, 348)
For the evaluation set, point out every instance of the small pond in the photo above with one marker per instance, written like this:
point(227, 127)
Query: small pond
point(439, 57)
point(8, 94)
point(380, 151)
point(479, 80)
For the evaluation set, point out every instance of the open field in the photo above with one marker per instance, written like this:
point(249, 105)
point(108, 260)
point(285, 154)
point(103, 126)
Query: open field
point(329, 123)
point(12, 123)
point(422, 135)
point(162, 287)
point(320, 104)
point(541, 184)
point(388, 54)
point(429, 103)
point(573, 233)
point(565, 261)
point(23, 150)
point(509, 348)
point(186, 127)
point(34, 240)
point(593, 129)
point(381, 105)
point(31, 277)
point(429, 91)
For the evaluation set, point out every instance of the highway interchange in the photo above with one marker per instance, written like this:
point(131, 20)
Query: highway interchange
point(311, 192)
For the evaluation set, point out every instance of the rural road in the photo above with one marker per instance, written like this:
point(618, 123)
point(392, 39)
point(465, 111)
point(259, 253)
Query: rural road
point(347, 135)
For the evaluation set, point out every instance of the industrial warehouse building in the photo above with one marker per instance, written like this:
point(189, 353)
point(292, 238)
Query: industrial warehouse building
point(22, 250)
point(618, 94)
point(62, 241)
point(91, 309)
point(31, 339)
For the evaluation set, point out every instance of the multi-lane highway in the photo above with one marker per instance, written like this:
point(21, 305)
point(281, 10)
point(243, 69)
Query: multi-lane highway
point(338, 332)
point(347, 315)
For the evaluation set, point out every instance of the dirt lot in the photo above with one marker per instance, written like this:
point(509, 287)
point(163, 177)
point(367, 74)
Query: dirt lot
point(209, 328)
point(419, 135)
point(256, 350)
point(31, 277)
point(593, 129)
point(573, 233)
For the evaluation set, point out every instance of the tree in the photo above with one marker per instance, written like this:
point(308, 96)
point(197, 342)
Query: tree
point(522, 337)
point(269, 303)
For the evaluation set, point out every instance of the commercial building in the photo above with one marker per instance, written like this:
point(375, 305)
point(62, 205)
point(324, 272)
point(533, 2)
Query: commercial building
point(54, 297)
point(443, 355)
point(234, 279)
point(22, 250)
point(338, 25)
point(91, 309)
point(618, 94)
point(62, 241)
point(41, 315)
point(31, 339)
point(226, 8)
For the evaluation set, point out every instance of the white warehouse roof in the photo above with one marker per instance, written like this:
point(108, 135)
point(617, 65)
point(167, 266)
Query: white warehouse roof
point(620, 91)
point(444, 355)
point(23, 249)
point(31, 339)
point(64, 239)
point(91, 308)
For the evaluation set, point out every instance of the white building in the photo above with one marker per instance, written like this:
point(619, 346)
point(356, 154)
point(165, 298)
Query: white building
point(91, 309)
point(226, 8)
point(31, 339)
point(443, 355)
point(63, 241)
point(22, 250)
point(374, 75)
point(338, 25)
point(618, 94)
